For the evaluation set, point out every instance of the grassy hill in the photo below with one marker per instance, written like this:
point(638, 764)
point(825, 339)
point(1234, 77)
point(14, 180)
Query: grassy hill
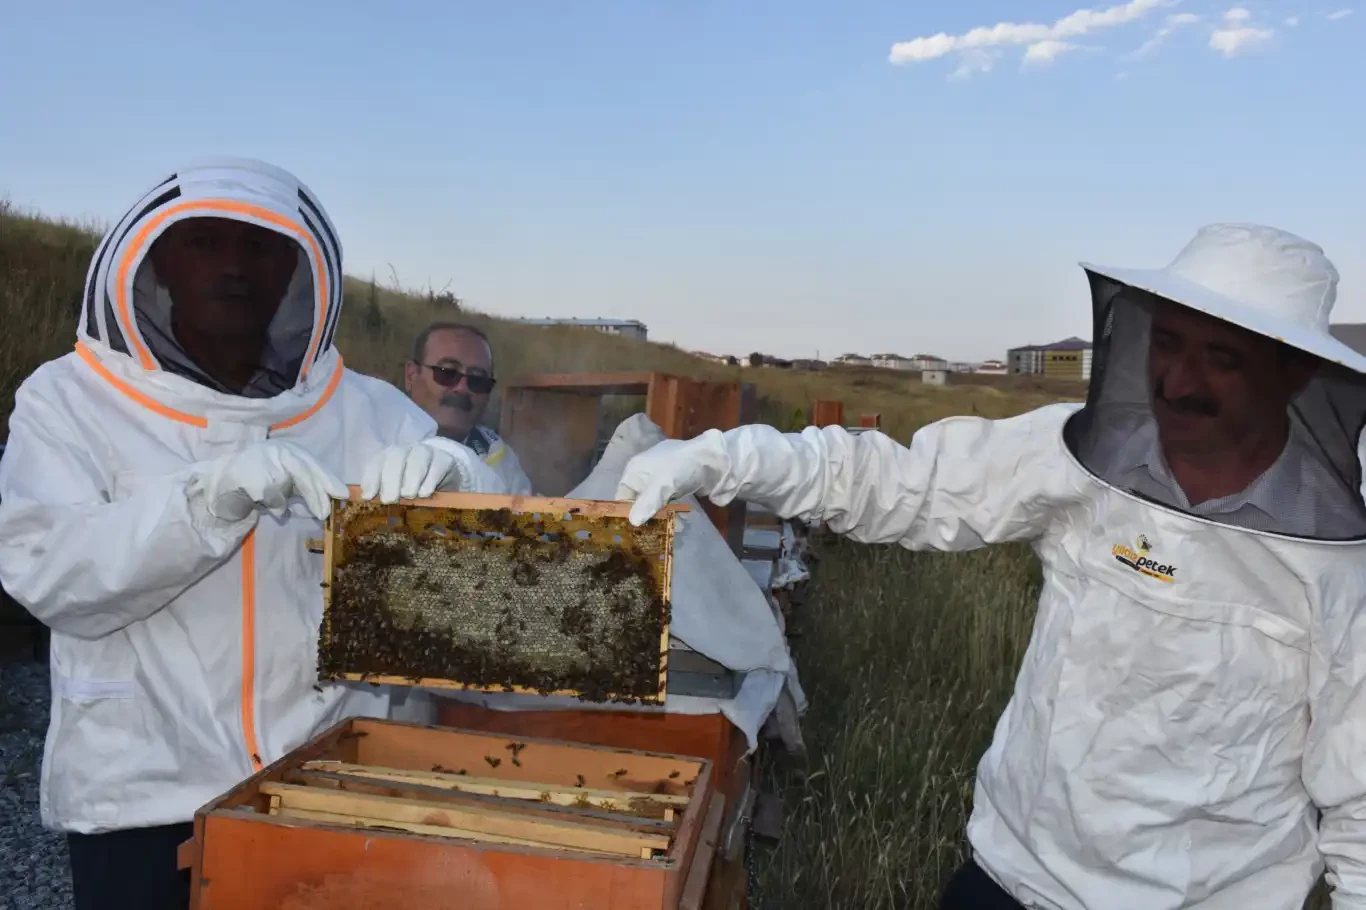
point(42, 273)
point(907, 658)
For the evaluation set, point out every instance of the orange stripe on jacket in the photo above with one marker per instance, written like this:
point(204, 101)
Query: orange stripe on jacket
point(146, 401)
point(249, 649)
point(193, 420)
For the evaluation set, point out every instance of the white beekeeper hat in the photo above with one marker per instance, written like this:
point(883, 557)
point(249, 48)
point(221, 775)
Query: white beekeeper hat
point(1261, 278)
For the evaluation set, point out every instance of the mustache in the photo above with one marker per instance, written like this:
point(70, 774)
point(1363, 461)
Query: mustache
point(458, 400)
point(1198, 405)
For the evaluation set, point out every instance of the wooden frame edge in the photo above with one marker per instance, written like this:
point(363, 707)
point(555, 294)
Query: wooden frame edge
point(601, 508)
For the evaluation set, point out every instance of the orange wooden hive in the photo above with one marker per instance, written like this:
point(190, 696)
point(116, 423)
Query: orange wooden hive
point(376, 813)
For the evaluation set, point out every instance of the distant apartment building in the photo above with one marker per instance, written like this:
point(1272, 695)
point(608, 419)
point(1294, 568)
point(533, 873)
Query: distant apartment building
point(1066, 359)
point(628, 328)
point(917, 364)
point(890, 361)
point(923, 362)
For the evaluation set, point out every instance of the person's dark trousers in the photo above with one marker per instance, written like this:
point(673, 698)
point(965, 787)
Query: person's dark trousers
point(972, 889)
point(121, 870)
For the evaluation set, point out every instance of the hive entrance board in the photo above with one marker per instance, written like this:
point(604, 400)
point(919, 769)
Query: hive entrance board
point(498, 593)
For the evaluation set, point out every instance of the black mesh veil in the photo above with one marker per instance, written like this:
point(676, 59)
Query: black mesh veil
point(1314, 490)
point(286, 344)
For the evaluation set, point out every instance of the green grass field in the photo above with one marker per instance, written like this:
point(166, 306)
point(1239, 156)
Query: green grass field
point(907, 659)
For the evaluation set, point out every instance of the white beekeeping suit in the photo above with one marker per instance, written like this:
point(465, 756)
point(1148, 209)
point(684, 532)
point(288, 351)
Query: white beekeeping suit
point(1194, 692)
point(501, 457)
point(157, 521)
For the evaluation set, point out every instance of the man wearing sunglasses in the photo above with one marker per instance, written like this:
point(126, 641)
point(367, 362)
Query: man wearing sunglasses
point(450, 376)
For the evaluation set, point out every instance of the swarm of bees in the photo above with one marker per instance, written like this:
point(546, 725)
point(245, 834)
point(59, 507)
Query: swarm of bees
point(497, 600)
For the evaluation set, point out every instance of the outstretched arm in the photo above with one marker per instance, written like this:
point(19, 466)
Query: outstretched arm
point(962, 483)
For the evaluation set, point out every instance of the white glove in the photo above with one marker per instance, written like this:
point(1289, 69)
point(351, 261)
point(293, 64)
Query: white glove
point(266, 476)
point(672, 470)
point(419, 469)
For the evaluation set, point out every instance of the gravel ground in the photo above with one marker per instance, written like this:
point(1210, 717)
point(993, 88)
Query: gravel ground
point(33, 864)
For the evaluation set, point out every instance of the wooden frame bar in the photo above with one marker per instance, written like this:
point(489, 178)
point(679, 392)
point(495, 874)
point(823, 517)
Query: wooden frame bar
point(550, 505)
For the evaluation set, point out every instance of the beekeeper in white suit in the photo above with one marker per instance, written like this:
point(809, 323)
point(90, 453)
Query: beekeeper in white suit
point(156, 495)
point(1194, 692)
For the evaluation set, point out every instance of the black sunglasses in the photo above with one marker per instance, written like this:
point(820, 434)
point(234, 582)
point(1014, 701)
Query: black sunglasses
point(449, 377)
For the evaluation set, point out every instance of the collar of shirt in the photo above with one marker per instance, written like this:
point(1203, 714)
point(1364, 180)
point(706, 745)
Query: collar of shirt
point(1298, 495)
point(1140, 463)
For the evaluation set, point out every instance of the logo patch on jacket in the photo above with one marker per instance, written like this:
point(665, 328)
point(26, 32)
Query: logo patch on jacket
point(481, 440)
point(1138, 557)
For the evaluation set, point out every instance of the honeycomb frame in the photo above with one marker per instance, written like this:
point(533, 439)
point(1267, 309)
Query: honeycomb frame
point(484, 523)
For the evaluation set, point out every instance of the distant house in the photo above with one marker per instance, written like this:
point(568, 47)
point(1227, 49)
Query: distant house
point(808, 365)
point(890, 361)
point(991, 368)
point(853, 360)
point(1066, 359)
point(628, 328)
point(716, 358)
point(923, 362)
point(934, 377)
point(767, 360)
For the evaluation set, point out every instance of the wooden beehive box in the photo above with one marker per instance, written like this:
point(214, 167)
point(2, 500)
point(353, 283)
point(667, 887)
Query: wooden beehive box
point(376, 813)
point(499, 593)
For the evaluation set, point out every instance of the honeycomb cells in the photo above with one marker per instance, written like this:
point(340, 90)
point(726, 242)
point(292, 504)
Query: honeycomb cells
point(498, 600)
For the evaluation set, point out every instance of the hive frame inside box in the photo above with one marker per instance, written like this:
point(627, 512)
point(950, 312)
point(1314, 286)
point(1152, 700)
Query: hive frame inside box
point(579, 508)
point(243, 856)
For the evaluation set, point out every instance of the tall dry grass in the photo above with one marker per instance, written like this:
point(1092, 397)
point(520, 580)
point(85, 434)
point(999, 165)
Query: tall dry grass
point(42, 271)
point(907, 660)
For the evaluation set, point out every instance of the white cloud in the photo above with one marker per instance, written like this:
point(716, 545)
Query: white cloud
point(1234, 41)
point(1237, 37)
point(1159, 38)
point(1044, 53)
point(974, 62)
point(1339, 14)
point(1292, 21)
point(1044, 42)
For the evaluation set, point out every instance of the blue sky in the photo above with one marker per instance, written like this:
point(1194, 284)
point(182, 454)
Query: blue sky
point(793, 177)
